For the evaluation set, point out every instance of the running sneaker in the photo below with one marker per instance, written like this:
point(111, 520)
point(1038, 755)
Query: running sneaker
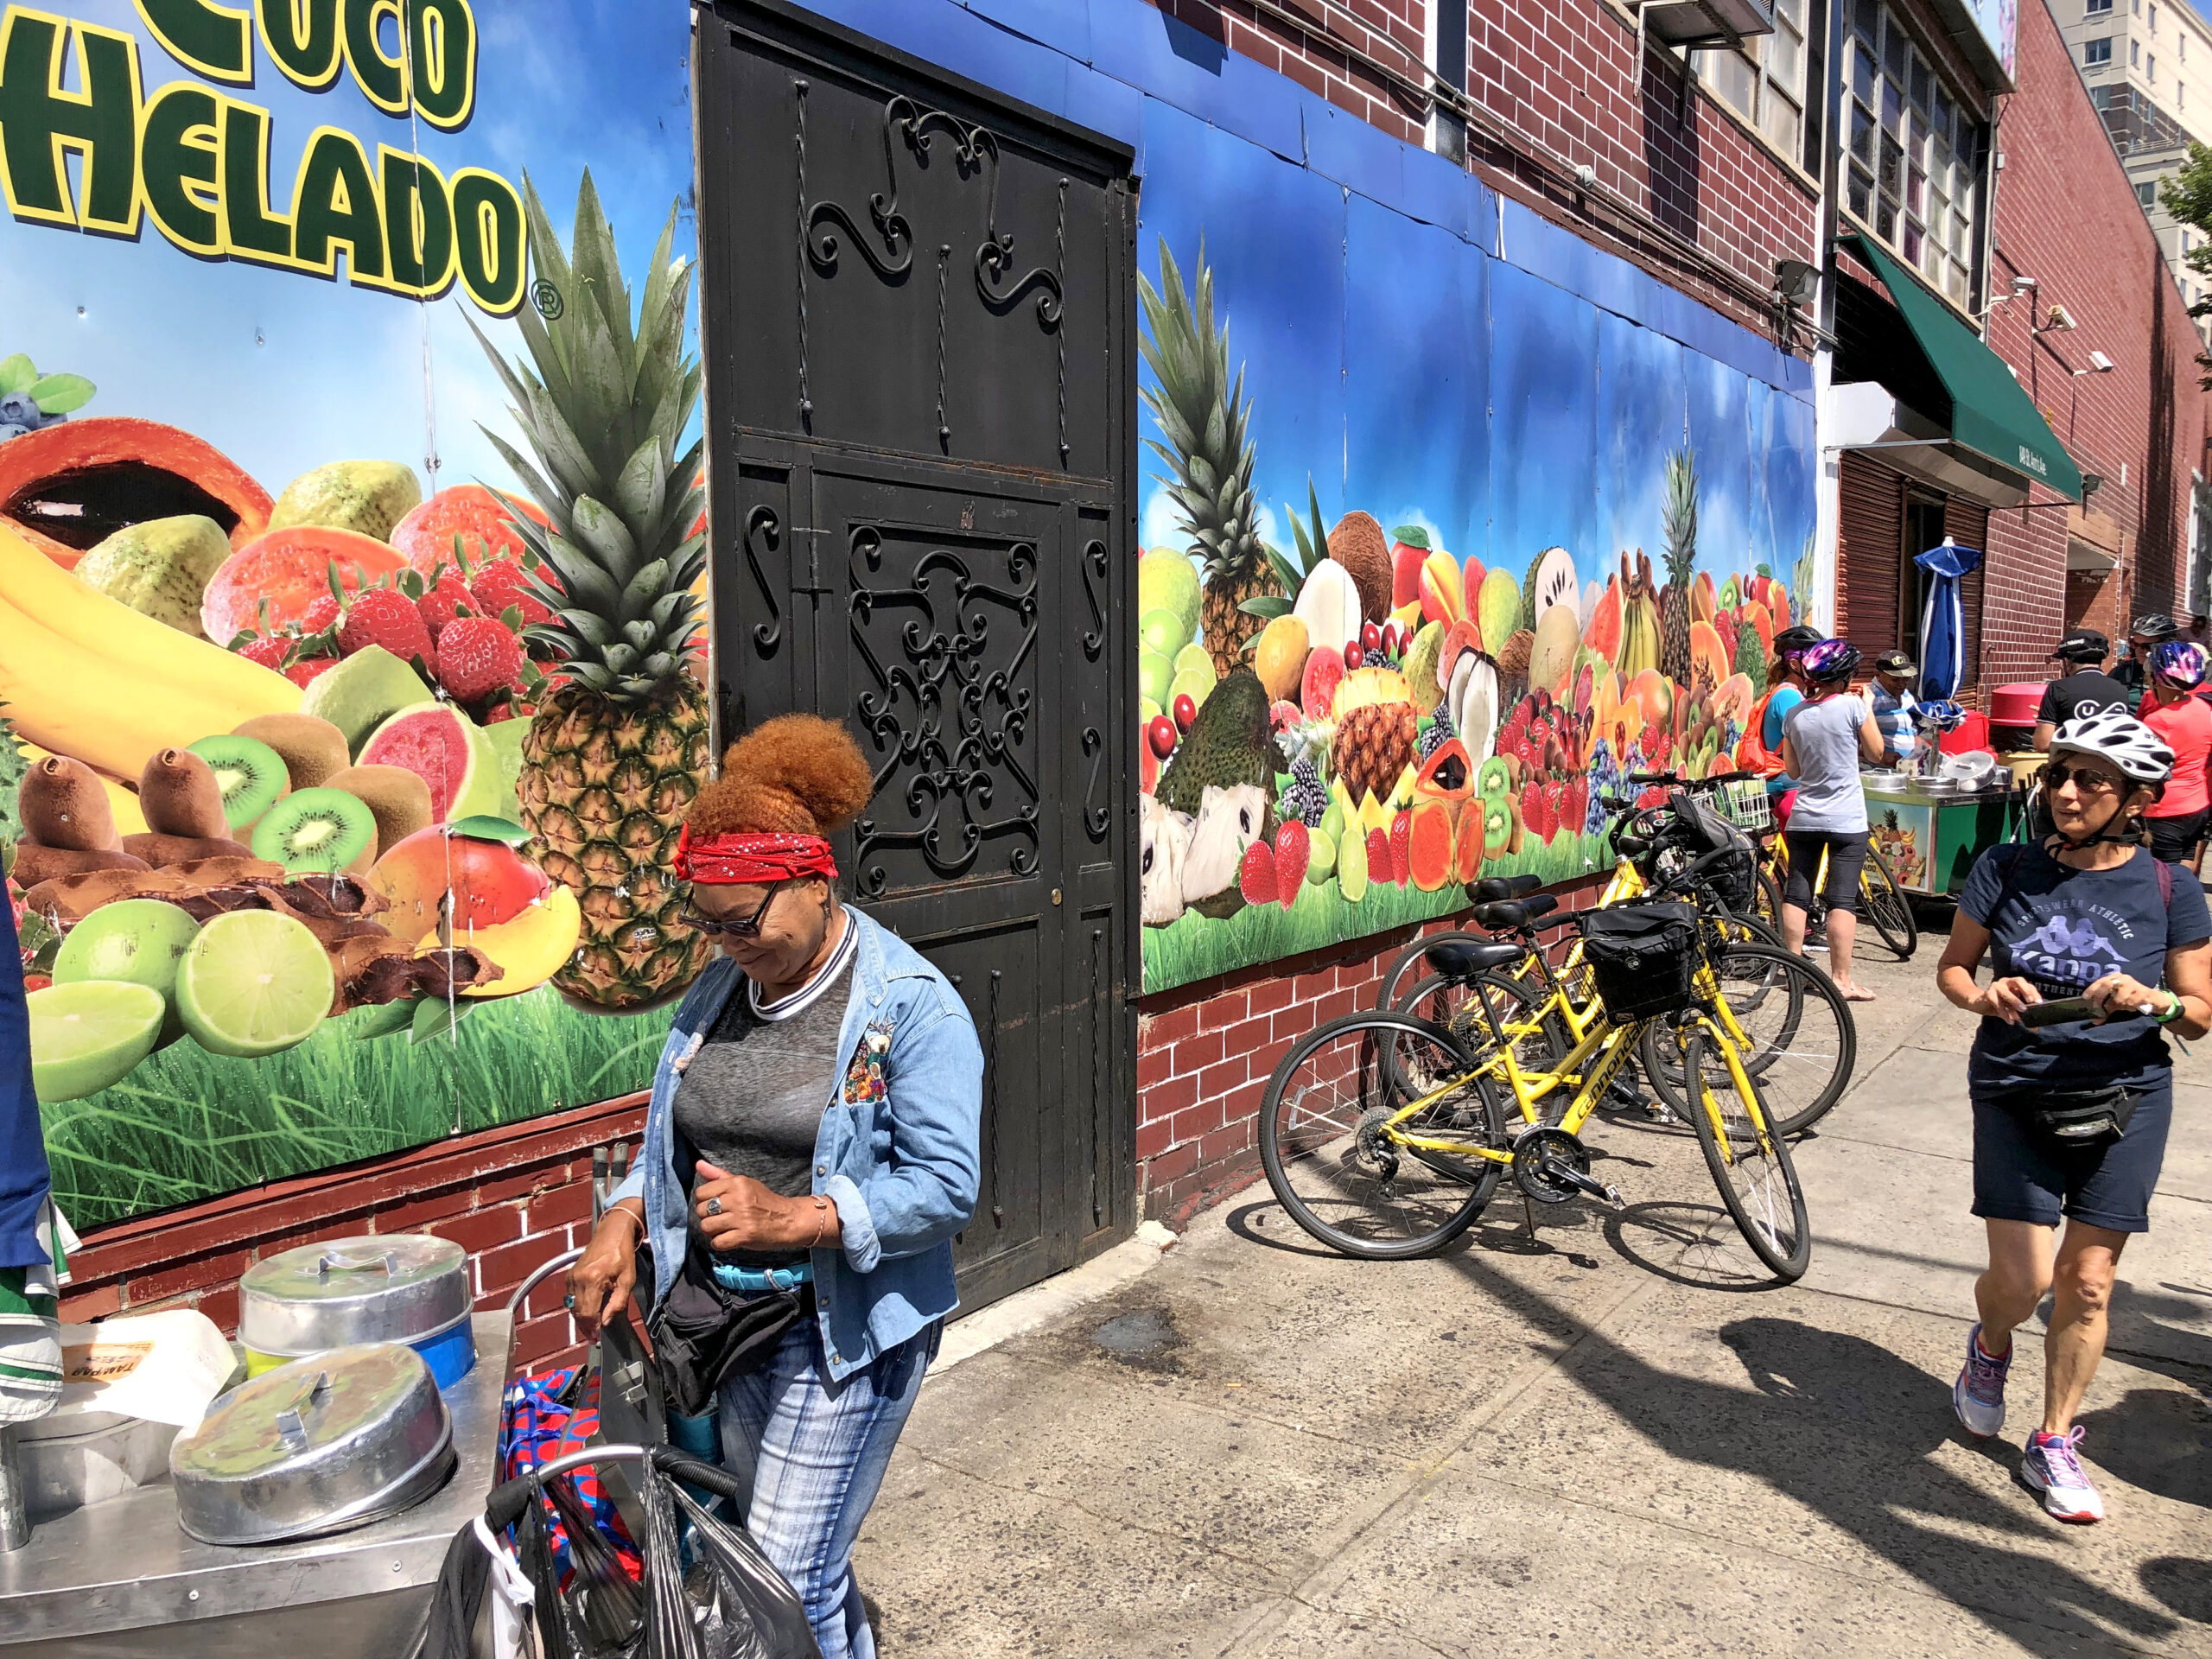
point(2053, 1469)
point(1978, 1395)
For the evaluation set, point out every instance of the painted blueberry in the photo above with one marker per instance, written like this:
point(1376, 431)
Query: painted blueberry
point(18, 409)
point(8, 430)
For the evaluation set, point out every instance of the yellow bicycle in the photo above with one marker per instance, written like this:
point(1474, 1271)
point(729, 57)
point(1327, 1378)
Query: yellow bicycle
point(1384, 1134)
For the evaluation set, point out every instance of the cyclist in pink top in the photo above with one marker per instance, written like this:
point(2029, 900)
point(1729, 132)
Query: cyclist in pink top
point(2183, 722)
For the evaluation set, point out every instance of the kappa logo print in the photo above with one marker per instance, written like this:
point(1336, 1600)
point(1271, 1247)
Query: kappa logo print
point(2066, 951)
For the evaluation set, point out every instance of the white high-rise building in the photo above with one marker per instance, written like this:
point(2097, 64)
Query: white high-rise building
point(2148, 64)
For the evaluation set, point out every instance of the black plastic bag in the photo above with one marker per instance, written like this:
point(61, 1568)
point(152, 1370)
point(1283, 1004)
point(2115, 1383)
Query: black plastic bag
point(733, 1603)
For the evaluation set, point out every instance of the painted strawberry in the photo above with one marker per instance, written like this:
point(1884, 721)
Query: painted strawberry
point(1532, 808)
point(322, 614)
point(268, 650)
point(1401, 845)
point(1293, 851)
point(1555, 803)
point(301, 673)
point(441, 602)
point(500, 585)
point(478, 656)
point(386, 617)
point(1577, 803)
point(1257, 878)
point(1378, 857)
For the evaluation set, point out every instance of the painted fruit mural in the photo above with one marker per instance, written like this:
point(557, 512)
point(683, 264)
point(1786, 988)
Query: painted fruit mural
point(349, 642)
point(1358, 687)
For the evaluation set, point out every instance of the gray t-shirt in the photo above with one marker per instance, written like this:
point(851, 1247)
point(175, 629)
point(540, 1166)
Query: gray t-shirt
point(751, 1099)
point(1825, 736)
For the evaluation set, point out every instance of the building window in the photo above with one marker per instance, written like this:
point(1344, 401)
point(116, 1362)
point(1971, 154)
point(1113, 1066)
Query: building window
point(2154, 20)
point(1915, 153)
point(1764, 82)
point(2135, 54)
point(2147, 193)
point(2152, 69)
point(2097, 8)
point(2096, 52)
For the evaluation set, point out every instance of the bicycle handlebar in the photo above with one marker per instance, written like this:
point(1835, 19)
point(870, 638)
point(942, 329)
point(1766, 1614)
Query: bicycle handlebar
point(2066, 1008)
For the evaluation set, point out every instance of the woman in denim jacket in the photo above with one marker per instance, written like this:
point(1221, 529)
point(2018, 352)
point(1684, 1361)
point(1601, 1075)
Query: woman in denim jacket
point(811, 1149)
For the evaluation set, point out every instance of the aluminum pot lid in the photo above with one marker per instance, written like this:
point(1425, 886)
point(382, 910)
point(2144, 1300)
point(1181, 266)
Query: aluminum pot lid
point(393, 1289)
point(335, 1441)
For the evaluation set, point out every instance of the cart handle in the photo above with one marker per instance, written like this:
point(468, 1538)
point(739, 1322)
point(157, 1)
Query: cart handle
point(504, 1506)
point(539, 1274)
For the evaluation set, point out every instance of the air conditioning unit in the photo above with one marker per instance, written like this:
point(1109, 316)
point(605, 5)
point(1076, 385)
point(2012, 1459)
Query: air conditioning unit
point(1706, 22)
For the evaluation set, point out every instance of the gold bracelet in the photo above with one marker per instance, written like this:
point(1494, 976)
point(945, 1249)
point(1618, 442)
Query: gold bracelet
point(822, 1222)
point(632, 1215)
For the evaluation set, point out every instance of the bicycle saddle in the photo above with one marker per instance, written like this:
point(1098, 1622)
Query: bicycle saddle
point(1493, 889)
point(1460, 960)
point(1629, 846)
point(1506, 915)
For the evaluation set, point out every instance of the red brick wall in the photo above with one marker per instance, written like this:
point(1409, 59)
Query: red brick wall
point(1205, 1053)
point(511, 1197)
point(1565, 75)
point(2067, 216)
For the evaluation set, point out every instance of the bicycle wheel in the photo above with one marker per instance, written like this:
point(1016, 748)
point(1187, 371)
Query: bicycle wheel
point(1412, 966)
point(1883, 903)
point(1332, 1161)
point(1538, 1044)
point(1798, 1035)
point(1767, 907)
point(1750, 1163)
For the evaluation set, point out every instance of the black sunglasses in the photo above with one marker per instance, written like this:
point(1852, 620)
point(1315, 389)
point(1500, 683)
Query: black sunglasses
point(2058, 773)
point(715, 929)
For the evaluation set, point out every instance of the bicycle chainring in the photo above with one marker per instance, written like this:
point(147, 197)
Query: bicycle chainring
point(1536, 1147)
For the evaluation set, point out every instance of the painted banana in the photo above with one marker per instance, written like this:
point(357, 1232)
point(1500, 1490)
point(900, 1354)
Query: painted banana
point(123, 802)
point(161, 659)
point(73, 701)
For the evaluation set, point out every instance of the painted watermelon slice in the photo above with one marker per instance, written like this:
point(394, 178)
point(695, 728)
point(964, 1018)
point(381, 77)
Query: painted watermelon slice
point(448, 752)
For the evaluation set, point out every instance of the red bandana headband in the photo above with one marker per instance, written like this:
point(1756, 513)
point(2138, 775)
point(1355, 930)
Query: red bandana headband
point(752, 859)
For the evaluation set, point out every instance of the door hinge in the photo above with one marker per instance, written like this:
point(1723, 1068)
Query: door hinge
point(806, 561)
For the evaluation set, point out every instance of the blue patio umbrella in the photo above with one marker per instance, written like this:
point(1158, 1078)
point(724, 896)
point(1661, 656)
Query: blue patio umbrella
point(1942, 622)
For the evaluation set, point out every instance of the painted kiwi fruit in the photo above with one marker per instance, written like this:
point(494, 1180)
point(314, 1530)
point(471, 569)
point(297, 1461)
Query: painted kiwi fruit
point(180, 798)
point(312, 749)
point(64, 807)
point(250, 776)
point(317, 829)
point(398, 798)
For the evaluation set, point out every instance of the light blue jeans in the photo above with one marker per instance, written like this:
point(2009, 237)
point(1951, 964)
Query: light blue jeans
point(816, 1452)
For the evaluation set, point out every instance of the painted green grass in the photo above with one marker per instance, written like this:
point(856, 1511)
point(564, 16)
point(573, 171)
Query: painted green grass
point(1196, 947)
point(189, 1125)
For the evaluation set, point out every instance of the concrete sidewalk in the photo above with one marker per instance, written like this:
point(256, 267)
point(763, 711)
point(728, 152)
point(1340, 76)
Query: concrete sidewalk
point(1569, 1444)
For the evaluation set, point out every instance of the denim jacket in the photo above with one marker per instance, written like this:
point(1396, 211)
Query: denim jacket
point(896, 1151)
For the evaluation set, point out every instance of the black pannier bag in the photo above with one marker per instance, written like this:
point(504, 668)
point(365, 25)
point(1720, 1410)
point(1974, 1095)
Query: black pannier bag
point(1642, 957)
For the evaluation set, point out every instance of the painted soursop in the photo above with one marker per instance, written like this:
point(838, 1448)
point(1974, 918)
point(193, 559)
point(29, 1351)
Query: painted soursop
point(1750, 658)
point(368, 496)
point(1227, 744)
point(159, 568)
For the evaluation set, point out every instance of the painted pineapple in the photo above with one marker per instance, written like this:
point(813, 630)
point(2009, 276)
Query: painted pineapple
point(617, 750)
point(1203, 415)
point(1681, 525)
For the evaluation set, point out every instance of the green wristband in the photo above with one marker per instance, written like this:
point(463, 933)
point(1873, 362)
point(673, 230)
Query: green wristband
point(2172, 1012)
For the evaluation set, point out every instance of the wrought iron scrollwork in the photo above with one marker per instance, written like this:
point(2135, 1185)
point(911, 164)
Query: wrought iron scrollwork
point(995, 257)
point(1094, 818)
point(762, 527)
point(952, 723)
point(825, 218)
point(1094, 564)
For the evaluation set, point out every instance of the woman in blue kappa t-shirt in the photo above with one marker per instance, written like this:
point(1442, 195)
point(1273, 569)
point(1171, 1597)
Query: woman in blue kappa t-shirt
point(2088, 914)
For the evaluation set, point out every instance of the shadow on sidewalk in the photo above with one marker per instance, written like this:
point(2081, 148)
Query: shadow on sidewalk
point(1848, 1429)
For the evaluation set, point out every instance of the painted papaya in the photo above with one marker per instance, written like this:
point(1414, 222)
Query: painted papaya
point(1429, 850)
point(67, 488)
point(1448, 774)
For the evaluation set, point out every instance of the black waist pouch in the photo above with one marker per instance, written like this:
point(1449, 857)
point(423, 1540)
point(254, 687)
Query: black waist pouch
point(704, 1333)
point(2082, 1117)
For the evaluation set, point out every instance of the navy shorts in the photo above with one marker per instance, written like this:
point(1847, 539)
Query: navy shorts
point(2021, 1175)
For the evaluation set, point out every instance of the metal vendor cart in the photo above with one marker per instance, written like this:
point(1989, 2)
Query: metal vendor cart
point(1930, 831)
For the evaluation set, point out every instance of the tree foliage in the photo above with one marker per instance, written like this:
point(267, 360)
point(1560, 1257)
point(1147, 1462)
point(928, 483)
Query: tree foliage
point(2187, 194)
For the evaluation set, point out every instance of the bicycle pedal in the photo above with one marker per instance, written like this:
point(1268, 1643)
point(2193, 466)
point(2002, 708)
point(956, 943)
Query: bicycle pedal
point(1588, 1186)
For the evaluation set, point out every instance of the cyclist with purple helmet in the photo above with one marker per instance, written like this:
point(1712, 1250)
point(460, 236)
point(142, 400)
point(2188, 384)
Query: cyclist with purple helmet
point(2184, 723)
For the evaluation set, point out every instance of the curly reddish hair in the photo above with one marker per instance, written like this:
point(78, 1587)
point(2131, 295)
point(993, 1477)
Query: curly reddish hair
point(796, 774)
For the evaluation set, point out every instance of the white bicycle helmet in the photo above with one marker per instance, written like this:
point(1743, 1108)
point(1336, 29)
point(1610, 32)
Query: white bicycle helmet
point(2121, 738)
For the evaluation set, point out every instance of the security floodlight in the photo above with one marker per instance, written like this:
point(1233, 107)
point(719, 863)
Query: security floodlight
point(2100, 364)
point(2091, 483)
point(1797, 282)
point(2061, 320)
point(2024, 284)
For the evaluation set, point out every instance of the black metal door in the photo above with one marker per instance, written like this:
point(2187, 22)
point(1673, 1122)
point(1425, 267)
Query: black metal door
point(920, 332)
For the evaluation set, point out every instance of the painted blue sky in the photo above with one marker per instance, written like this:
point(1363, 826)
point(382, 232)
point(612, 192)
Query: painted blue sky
point(285, 372)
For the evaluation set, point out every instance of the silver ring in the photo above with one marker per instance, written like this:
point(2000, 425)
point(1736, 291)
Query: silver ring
point(569, 1301)
point(713, 1206)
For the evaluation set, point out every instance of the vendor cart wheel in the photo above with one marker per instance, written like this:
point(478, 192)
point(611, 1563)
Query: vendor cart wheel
point(1886, 905)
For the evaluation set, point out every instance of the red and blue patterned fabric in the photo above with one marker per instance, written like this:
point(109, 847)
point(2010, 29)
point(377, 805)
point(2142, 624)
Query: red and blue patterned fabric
point(536, 1427)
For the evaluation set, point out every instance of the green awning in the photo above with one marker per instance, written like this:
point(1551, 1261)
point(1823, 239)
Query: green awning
point(1990, 413)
